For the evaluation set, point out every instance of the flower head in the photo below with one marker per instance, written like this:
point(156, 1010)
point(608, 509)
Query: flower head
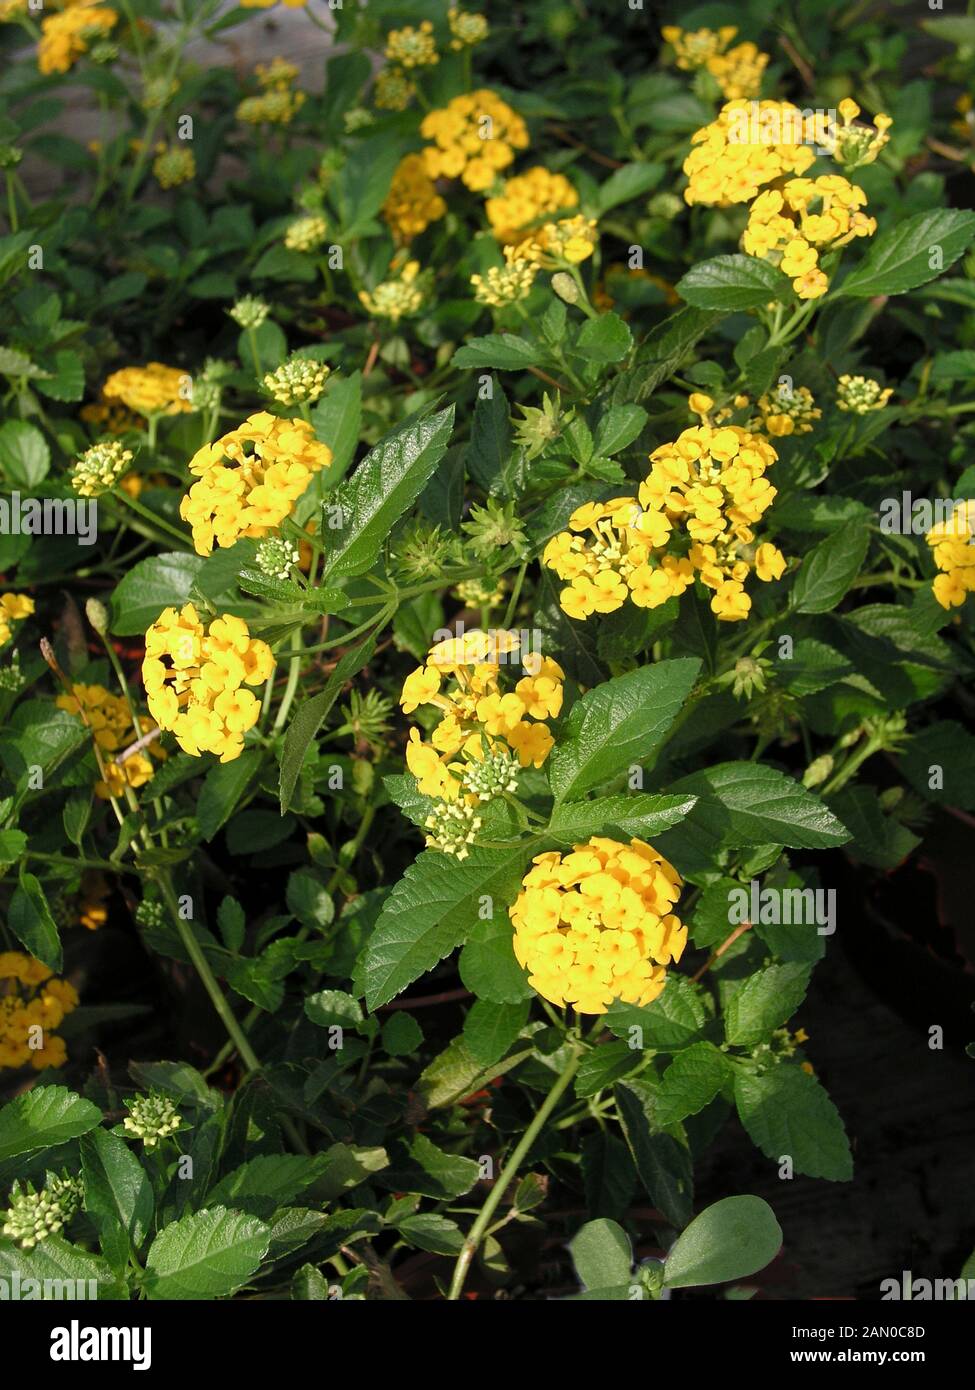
point(250, 311)
point(412, 47)
point(99, 468)
point(151, 1118)
point(859, 395)
point(151, 390)
point(194, 680)
point(596, 925)
point(297, 380)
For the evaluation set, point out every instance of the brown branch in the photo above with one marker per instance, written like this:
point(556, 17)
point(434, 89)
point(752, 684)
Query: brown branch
point(728, 942)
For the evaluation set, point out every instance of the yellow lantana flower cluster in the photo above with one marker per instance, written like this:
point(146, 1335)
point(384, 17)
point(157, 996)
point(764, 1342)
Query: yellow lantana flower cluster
point(32, 1004)
point(466, 28)
point(173, 165)
point(794, 226)
point(279, 100)
point(250, 479)
point(474, 137)
point(507, 284)
point(525, 200)
point(110, 720)
point(748, 145)
point(393, 90)
point(66, 37)
point(784, 412)
point(397, 298)
point(859, 395)
point(412, 202)
point(306, 233)
point(712, 482)
point(13, 607)
point(462, 679)
point(710, 486)
point(596, 925)
point(854, 145)
point(737, 71)
point(194, 677)
point(953, 547)
point(606, 556)
point(412, 47)
point(151, 390)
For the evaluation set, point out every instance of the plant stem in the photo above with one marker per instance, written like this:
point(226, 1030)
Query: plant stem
point(503, 1181)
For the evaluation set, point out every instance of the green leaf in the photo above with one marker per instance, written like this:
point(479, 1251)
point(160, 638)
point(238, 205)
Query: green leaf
point(623, 185)
point(788, 1114)
point(617, 724)
point(622, 817)
point(432, 909)
point(67, 381)
point(603, 1065)
point(24, 455)
point(207, 1254)
point(603, 339)
point(162, 581)
point(501, 350)
point(878, 839)
point(428, 1230)
point(663, 1164)
point(232, 923)
point(312, 713)
point(666, 349)
point(387, 481)
point(490, 446)
point(828, 570)
point(608, 1175)
point(675, 1019)
point(30, 920)
point(309, 900)
point(741, 804)
point(12, 845)
point(733, 282)
point(618, 426)
point(222, 789)
point(401, 1034)
point(765, 1001)
point(456, 1073)
point(118, 1195)
point(267, 1182)
point(488, 965)
point(44, 1117)
point(337, 418)
point(602, 1254)
point(729, 1240)
point(939, 763)
point(691, 1082)
point(56, 1259)
point(490, 1029)
point(900, 258)
point(420, 1166)
point(333, 1007)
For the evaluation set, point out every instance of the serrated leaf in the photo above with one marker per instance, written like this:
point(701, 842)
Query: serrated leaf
point(501, 350)
point(764, 1002)
point(734, 282)
point(491, 1029)
point(663, 1164)
point(30, 920)
point(621, 722)
point(162, 581)
point(118, 1193)
point(788, 1114)
point(675, 1019)
point(432, 910)
point(604, 339)
point(44, 1117)
point(624, 816)
point(741, 804)
point(207, 1254)
point(829, 569)
point(387, 481)
point(900, 258)
point(693, 1079)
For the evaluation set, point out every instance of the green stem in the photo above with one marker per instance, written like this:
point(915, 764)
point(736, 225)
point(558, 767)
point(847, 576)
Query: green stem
point(293, 673)
point(503, 1181)
point(155, 520)
point(202, 967)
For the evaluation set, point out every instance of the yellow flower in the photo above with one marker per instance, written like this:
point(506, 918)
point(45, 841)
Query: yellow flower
point(65, 37)
point(466, 29)
point(151, 390)
point(419, 688)
point(953, 549)
point(474, 137)
point(173, 165)
point(412, 48)
point(306, 234)
point(193, 677)
point(413, 201)
point(250, 479)
point(525, 201)
point(596, 925)
point(32, 1005)
point(750, 144)
point(397, 298)
point(769, 562)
